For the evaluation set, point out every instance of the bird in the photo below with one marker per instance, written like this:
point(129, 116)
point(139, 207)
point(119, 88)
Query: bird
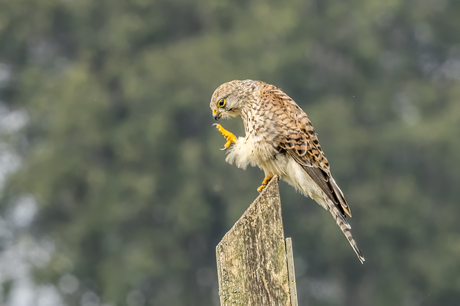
point(280, 140)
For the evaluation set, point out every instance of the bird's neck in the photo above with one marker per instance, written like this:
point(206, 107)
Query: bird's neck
point(244, 116)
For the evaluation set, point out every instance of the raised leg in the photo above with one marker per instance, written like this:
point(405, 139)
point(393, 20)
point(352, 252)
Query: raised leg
point(228, 136)
point(265, 182)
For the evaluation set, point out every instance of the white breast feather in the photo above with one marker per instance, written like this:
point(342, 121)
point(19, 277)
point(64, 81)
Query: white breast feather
point(250, 151)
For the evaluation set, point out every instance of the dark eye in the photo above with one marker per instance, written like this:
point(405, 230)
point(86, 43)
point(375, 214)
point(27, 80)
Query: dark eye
point(221, 103)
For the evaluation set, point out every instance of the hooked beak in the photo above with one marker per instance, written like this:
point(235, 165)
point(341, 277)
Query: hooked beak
point(216, 115)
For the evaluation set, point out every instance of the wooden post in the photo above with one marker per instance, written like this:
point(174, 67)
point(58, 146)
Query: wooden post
point(291, 271)
point(252, 264)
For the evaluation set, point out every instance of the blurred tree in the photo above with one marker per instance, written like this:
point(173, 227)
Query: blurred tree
point(119, 153)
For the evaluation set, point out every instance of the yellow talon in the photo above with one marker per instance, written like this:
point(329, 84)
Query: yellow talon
point(265, 182)
point(227, 135)
point(267, 179)
point(261, 188)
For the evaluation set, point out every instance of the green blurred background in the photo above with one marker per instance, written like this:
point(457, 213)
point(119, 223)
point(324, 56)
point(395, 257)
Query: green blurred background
point(114, 191)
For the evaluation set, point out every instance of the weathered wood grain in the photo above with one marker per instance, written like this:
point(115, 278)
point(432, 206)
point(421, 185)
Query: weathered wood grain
point(251, 258)
point(291, 270)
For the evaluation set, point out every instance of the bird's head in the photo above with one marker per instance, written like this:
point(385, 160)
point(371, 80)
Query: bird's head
point(229, 98)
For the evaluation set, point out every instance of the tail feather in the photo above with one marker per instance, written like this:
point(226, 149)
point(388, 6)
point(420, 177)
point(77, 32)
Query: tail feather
point(346, 229)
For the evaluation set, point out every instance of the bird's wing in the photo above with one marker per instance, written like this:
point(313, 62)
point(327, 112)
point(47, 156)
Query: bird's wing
point(300, 141)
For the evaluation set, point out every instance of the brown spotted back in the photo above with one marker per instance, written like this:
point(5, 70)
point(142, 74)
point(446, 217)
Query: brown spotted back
point(293, 133)
point(297, 132)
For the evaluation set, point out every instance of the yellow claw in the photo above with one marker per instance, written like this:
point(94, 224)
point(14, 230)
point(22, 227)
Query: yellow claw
point(228, 135)
point(265, 182)
point(261, 187)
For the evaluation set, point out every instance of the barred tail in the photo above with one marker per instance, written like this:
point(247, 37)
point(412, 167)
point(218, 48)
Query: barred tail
point(346, 229)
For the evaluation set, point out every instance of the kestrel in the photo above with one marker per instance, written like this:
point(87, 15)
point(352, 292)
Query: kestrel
point(280, 140)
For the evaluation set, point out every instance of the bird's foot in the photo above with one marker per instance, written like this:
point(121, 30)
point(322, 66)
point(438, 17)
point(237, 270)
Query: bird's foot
point(265, 182)
point(228, 136)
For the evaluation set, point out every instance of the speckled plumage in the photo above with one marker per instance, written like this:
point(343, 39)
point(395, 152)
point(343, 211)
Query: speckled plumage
point(280, 140)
